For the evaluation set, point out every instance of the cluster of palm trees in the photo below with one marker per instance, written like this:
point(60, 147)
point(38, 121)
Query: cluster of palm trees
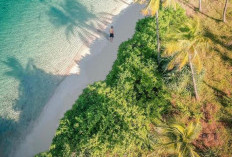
point(185, 46)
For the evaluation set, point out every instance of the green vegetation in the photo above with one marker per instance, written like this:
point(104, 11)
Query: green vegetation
point(187, 45)
point(113, 117)
point(147, 109)
point(178, 139)
point(152, 8)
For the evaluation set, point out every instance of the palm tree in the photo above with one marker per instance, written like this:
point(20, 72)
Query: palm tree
point(200, 8)
point(224, 10)
point(152, 8)
point(186, 46)
point(178, 139)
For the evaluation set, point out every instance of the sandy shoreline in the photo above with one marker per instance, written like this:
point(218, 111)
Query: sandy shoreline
point(84, 49)
point(96, 64)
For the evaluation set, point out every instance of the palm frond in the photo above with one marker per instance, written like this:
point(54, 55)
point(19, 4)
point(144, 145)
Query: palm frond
point(179, 128)
point(195, 154)
point(196, 131)
point(179, 138)
point(152, 6)
point(171, 64)
point(197, 63)
point(171, 48)
point(190, 129)
point(184, 61)
point(169, 3)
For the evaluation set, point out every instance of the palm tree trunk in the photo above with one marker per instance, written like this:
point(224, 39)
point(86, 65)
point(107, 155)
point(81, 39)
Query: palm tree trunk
point(200, 5)
point(157, 36)
point(224, 11)
point(193, 78)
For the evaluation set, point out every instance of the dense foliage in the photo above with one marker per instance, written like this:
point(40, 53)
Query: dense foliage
point(113, 116)
point(119, 116)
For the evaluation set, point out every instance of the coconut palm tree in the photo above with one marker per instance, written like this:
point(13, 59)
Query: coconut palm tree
point(178, 139)
point(186, 46)
point(200, 8)
point(152, 8)
point(224, 10)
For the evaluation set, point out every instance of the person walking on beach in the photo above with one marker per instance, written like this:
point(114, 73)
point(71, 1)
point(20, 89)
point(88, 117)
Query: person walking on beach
point(111, 33)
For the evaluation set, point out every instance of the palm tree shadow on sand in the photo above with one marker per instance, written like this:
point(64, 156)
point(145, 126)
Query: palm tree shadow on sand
point(78, 20)
point(35, 88)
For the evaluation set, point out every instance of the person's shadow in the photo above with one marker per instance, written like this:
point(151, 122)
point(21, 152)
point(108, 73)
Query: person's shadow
point(35, 88)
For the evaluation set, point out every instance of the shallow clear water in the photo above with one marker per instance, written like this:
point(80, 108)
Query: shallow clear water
point(39, 40)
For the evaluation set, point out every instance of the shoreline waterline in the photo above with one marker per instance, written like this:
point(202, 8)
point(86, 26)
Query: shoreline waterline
point(39, 42)
point(87, 71)
point(84, 49)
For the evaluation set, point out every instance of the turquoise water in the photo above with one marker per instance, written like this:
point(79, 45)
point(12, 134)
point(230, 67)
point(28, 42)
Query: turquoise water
point(39, 40)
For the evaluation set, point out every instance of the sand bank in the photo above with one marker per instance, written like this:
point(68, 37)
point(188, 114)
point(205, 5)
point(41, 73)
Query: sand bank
point(93, 67)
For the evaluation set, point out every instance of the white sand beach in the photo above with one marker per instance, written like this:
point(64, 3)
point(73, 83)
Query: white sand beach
point(93, 67)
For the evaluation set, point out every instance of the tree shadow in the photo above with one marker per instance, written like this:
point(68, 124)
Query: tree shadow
point(191, 6)
point(216, 39)
point(222, 97)
point(226, 102)
point(217, 20)
point(35, 88)
point(78, 20)
point(227, 120)
point(223, 56)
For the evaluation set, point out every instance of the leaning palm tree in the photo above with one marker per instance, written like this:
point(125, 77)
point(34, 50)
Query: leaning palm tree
point(224, 10)
point(152, 8)
point(186, 46)
point(200, 8)
point(178, 139)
